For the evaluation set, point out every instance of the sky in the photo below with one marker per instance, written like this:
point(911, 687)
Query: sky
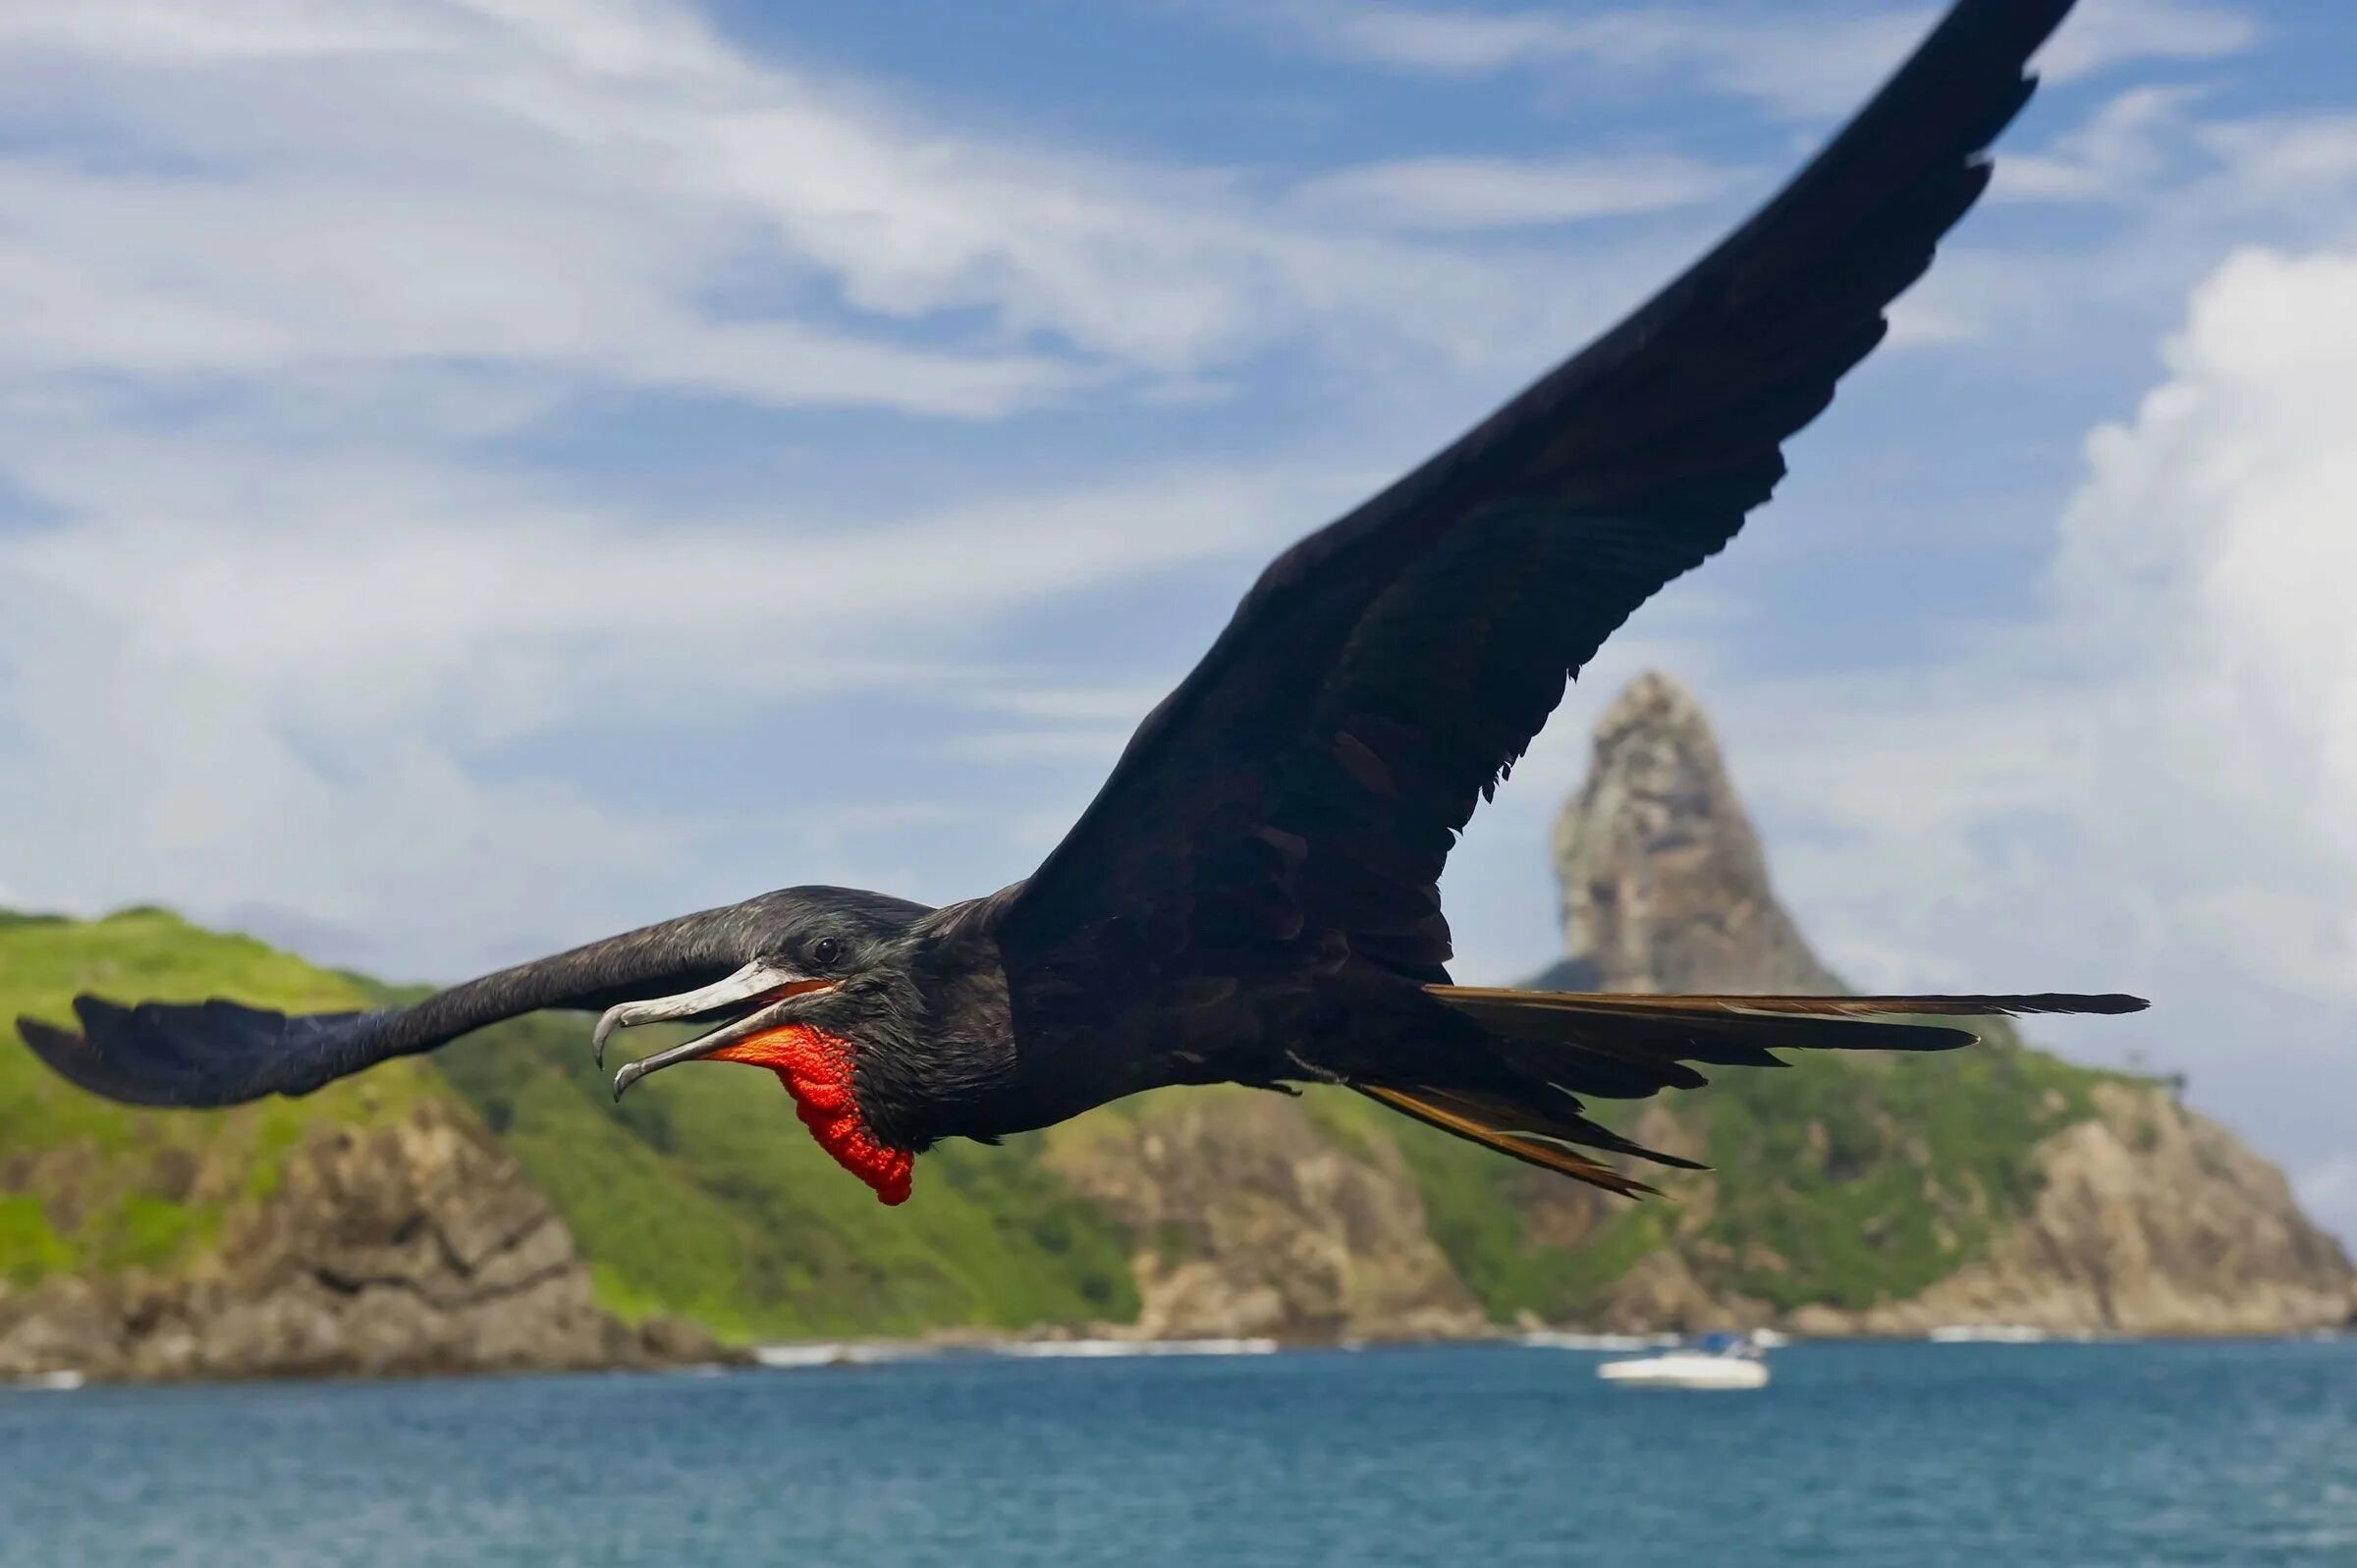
point(480, 474)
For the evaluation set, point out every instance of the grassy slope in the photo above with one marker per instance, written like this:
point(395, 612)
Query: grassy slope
point(701, 1193)
point(1470, 1204)
point(122, 1188)
point(1889, 1174)
point(1840, 1179)
point(704, 1198)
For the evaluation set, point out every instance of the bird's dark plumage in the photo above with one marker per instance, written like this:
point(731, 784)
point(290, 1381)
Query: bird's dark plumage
point(1253, 895)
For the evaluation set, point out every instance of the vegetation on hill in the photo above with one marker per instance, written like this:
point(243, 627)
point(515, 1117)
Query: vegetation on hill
point(706, 1199)
point(1887, 1176)
point(90, 1186)
point(1842, 1179)
point(1847, 1179)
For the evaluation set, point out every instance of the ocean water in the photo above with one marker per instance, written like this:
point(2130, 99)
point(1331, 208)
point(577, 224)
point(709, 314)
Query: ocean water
point(1898, 1454)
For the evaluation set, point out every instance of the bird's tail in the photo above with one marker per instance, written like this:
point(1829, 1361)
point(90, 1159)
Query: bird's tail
point(1546, 1050)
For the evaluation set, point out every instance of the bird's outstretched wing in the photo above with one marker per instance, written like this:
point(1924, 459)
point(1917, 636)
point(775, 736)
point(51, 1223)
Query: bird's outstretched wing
point(220, 1053)
point(1308, 778)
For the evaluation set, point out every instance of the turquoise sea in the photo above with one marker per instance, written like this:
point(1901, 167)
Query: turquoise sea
point(1884, 1454)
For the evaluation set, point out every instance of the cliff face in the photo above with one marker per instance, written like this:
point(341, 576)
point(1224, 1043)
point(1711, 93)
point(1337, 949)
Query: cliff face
point(2152, 1219)
point(1663, 883)
point(412, 1247)
point(1249, 1222)
point(2124, 1211)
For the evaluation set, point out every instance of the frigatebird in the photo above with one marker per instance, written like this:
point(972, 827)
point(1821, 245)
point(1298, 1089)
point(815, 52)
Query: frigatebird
point(1252, 897)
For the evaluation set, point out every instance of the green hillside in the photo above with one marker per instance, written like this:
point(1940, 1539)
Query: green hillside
point(1837, 1179)
point(90, 1186)
point(707, 1199)
point(1846, 1179)
point(710, 1200)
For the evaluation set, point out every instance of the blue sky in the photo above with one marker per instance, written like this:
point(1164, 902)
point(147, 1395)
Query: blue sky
point(476, 475)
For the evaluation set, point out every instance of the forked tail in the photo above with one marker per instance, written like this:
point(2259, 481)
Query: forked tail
point(1546, 1048)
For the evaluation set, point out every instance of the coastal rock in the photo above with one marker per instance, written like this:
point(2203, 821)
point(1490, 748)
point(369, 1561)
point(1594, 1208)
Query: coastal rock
point(1251, 1223)
point(1663, 883)
point(416, 1247)
point(1663, 1294)
point(2153, 1220)
point(2147, 1217)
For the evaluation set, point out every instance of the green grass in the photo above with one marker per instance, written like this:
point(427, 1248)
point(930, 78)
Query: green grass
point(1845, 1179)
point(1889, 1174)
point(29, 1247)
point(702, 1194)
point(1473, 1207)
point(91, 1170)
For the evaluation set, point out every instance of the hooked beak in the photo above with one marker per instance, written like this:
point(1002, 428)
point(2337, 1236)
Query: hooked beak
point(759, 981)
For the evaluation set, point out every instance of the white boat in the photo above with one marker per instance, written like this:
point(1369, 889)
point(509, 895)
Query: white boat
point(52, 1382)
point(803, 1355)
point(839, 1352)
point(1720, 1361)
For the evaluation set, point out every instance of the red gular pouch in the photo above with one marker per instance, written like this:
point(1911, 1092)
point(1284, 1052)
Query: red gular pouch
point(816, 1069)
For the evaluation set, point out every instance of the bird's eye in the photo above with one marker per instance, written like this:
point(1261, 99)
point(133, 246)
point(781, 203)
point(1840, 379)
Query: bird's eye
point(825, 951)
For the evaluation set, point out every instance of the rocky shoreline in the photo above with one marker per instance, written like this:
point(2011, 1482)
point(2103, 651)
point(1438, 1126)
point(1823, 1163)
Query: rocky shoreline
point(408, 1249)
point(1064, 1344)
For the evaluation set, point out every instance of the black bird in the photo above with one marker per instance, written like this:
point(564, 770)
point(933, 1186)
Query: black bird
point(1253, 898)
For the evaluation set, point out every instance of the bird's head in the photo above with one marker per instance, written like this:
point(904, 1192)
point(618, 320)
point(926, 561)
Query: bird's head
point(831, 1000)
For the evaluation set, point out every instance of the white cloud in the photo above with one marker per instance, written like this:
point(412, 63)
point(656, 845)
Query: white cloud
point(1506, 193)
point(283, 275)
point(2118, 153)
point(2171, 754)
point(2101, 34)
point(2146, 149)
point(602, 189)
point(2285, 159)
point(2171, 194)
point(1817, 63)
point(2214, 537)
point(1806, 62)
point(158, 780)
point(217, 560)
point(224, 702)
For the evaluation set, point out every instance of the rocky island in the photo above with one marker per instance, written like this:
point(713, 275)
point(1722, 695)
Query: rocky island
point(2128, 1214)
